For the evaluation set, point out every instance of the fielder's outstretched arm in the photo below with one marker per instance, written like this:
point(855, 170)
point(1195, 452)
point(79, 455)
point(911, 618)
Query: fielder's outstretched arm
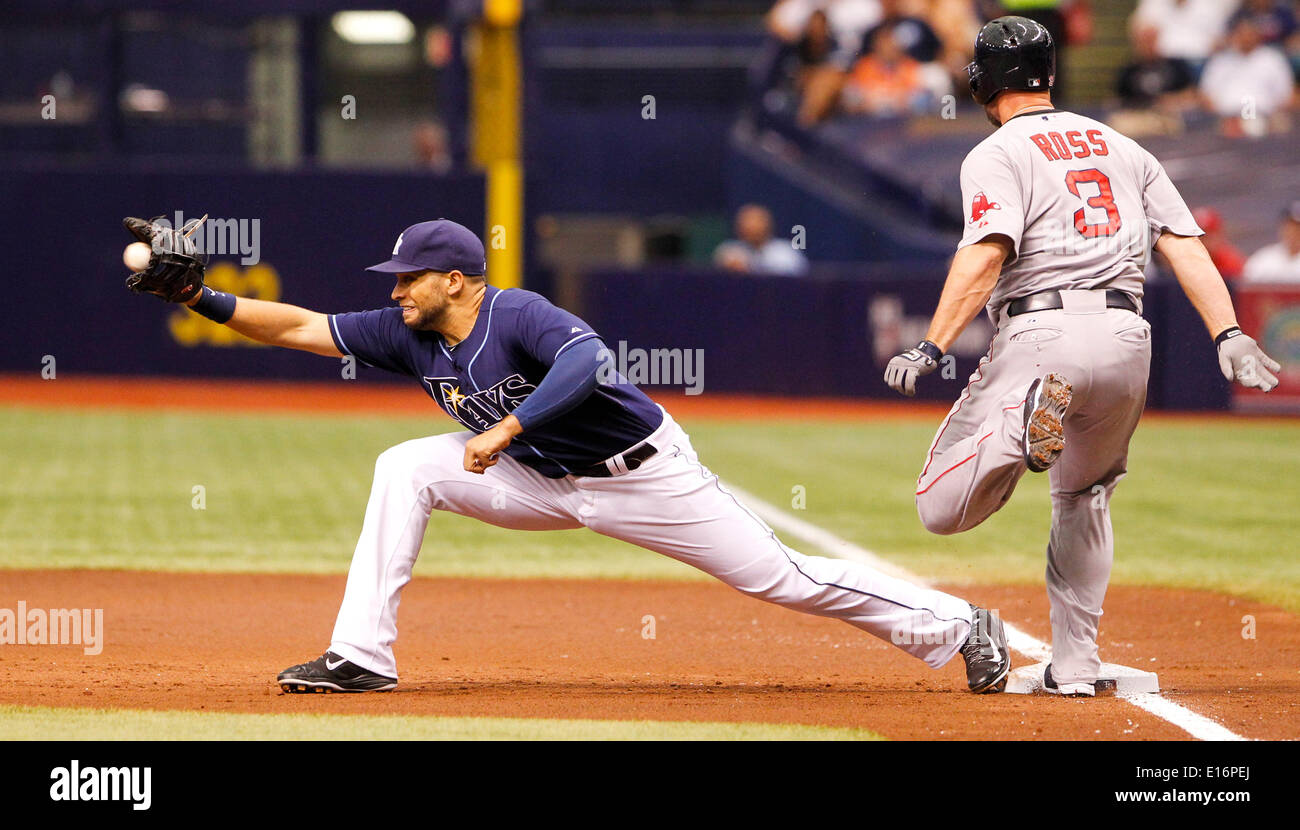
point(280, 324)
point(174, 271)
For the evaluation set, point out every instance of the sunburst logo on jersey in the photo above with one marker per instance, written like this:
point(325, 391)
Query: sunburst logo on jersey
point(453, 395)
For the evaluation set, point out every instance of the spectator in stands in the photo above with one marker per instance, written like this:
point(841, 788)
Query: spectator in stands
point(1248, 85)
point(955, 24)
point(1279, 262)
point(1276, 21)
point(822, 37)
point(817, 46)
point(1226, 256)
point(913, 34)
point(888, 81)
point(432, 147)
point(755, 250)
point(1154, 81)
point(820, 70)
point(847, 21)
point(1186, 29)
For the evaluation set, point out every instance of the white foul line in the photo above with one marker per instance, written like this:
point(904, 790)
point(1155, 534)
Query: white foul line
point(1198, 726)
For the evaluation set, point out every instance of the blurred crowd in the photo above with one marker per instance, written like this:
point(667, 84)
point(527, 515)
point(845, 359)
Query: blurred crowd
point(1280, 261)
point(1234, 61)
point(894, 57)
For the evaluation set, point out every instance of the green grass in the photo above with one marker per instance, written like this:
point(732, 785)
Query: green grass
point(37, 723)
point(287, 494)
point(1207, 505)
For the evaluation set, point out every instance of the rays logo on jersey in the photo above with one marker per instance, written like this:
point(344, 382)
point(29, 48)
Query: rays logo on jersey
point(480, 410)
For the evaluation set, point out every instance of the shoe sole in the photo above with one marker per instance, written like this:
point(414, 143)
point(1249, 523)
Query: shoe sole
point(998, 683)
point(1073, 690)
point(1044, 431)
point(325, 687)
point(1076, 689)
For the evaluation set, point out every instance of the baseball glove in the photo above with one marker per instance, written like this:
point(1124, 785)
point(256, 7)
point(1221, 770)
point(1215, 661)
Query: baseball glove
point(175, 270)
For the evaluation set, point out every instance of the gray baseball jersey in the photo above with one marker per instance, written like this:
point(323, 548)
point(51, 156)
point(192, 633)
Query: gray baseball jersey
point(1081, 204)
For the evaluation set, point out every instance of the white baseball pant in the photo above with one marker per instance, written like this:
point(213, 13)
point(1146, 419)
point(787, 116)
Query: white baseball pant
point(671, 504)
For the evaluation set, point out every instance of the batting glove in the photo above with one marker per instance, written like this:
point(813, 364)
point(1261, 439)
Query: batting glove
point(1242, 360)
point(902, 371)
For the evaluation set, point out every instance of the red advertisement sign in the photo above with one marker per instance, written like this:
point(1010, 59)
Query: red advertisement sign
point(1271, 314)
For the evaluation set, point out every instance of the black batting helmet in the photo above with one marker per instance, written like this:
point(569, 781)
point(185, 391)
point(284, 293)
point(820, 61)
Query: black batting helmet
point(1011, 53)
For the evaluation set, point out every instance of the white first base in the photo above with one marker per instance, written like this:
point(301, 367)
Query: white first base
point(1113, 679)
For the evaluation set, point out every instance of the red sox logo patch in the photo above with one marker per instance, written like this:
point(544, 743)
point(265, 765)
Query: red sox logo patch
point(979, 206)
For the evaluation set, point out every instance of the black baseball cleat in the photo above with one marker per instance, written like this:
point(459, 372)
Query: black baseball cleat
point(1066, 689)
point(985, 651)
point(331, 673)
point(1045, 405)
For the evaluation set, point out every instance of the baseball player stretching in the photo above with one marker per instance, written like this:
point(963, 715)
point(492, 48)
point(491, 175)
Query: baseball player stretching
point(1063, 214)
point(547, 446)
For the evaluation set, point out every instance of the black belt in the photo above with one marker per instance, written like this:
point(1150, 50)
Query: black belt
point(1050, 300)
point(632, 459)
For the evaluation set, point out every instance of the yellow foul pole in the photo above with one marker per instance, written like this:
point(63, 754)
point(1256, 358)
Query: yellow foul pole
point(496, 92)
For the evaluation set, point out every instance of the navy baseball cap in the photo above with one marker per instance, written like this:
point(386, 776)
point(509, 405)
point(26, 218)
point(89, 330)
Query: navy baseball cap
point(440, 245)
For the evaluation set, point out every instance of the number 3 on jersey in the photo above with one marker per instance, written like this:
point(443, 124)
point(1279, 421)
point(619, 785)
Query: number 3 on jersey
point(1103, 200)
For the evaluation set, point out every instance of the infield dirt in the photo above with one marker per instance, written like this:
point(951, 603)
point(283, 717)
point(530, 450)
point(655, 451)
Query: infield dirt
point(579, 649)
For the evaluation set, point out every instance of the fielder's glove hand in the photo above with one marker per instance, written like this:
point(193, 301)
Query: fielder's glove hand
point(902, 371)
point(175, 270)
point(1242, 360)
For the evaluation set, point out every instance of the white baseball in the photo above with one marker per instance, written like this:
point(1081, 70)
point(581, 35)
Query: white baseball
point(136, 256)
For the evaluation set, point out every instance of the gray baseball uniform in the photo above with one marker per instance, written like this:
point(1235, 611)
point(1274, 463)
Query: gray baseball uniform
point(1082, 206)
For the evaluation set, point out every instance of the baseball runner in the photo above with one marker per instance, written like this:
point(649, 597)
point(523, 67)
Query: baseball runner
point(1063, 214)
point(547, 446)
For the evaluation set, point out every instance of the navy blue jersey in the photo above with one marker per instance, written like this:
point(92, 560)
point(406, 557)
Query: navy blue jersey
point(515, 340)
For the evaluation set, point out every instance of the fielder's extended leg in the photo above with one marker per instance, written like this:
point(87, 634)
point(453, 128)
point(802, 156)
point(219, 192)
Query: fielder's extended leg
point(411, 481)
point(675, 506)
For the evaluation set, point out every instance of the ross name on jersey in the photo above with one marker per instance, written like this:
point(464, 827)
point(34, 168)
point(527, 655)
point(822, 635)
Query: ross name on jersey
point(1071, 145)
